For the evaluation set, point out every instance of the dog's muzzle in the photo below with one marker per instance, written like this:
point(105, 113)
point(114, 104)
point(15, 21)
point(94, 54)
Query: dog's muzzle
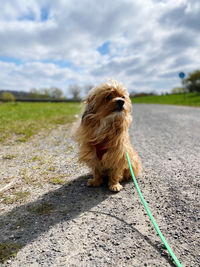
point(119, 104)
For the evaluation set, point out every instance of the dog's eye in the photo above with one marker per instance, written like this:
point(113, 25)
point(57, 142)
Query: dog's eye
point(123, 97)
point(108, 97)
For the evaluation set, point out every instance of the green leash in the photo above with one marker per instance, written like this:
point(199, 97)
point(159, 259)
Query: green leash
point(151, 216)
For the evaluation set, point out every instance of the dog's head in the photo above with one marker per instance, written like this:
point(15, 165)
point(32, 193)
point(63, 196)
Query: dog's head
point(108, 101)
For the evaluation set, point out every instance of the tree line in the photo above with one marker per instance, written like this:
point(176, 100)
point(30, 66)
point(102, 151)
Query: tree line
point(75, 92)
point(190, 84)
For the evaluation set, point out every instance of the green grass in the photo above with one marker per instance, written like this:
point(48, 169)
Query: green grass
point(191, 99)
point(18, 197)
point(42, 209)
point(9, 156)
point(8, 250)
point(22, 120)
point(57, 180)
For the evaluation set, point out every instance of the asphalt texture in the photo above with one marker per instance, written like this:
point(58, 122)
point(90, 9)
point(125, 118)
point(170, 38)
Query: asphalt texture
point(96, 227)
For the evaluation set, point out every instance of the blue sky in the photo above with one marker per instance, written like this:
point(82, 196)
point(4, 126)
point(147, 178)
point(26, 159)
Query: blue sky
point(144, 44)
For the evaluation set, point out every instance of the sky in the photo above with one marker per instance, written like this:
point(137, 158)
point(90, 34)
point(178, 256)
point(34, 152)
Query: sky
point(144, 44)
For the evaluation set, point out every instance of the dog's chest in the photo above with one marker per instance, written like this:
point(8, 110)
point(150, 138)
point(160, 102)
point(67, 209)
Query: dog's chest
point(100, 150)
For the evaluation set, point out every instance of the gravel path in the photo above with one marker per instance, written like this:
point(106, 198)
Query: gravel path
point(58, 221)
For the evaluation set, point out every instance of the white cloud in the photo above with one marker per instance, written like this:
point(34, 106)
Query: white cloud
point(35, 74)
point(149, 42)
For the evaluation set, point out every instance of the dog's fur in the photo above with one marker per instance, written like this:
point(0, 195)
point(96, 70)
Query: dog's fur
point(103, 135)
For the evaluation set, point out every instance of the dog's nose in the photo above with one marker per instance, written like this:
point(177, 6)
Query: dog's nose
point(120, 103)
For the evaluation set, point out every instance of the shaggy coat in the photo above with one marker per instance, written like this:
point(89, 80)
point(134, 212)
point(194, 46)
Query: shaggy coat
point(103, 136)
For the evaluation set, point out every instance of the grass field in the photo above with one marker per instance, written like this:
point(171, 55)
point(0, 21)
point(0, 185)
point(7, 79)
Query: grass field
point(22, 120)
point(191, 99)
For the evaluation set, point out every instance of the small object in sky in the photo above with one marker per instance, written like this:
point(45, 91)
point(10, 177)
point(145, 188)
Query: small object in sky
point(182, 75)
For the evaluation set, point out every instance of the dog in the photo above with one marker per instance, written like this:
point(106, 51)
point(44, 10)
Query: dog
point(103, 135)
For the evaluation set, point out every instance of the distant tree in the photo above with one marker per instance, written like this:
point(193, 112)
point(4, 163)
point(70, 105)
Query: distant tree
point(45, 93)
point(192, 82)
point(132, 93)
point(177, 90)
point(34, 93)
point(144, 94)
point(7, 97)
point(75, 90)
point(39, 93)
point(56, 93)
point(87, 88)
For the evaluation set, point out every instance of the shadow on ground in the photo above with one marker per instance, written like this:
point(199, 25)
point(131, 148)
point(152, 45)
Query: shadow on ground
point(25, 223)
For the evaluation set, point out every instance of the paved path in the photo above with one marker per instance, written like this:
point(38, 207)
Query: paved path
point(95, 227)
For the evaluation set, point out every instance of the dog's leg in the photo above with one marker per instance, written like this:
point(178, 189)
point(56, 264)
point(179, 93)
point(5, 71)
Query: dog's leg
point(136, 166)
point(114, 178)
point(127, 174)
point(97, 178)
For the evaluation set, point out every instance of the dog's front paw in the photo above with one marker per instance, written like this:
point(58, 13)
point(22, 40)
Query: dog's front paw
point(115, 187)
point(93, 182)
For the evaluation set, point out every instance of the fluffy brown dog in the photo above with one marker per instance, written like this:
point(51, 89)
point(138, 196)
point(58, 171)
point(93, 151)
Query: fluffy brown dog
point(103, 135)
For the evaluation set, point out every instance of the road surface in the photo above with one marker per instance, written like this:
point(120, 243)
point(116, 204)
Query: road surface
point(96, 227)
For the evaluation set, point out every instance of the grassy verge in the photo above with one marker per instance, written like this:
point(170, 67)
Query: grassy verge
point(22, 120)
point(8, 250)
point(191, 99)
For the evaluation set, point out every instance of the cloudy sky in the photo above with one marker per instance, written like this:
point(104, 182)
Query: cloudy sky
point(143, 43)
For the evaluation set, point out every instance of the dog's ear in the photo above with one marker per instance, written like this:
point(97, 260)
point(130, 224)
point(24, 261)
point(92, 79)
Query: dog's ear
point(89, 109)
